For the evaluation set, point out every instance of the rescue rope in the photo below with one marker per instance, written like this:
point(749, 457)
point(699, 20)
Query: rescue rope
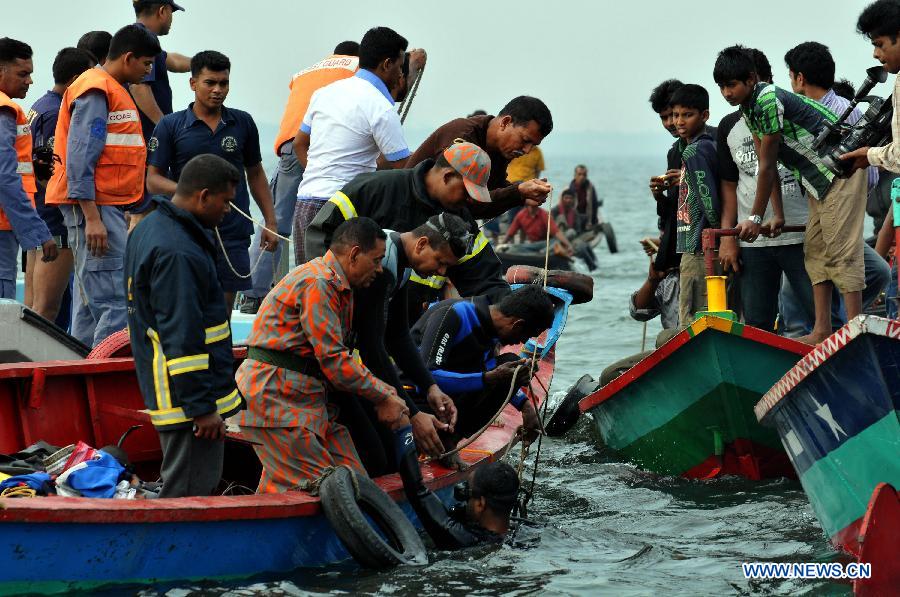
point(18, 492)
point(522, 506)
point(477, 434)
point(258, 223)
point(406, 104)
point(231, 266)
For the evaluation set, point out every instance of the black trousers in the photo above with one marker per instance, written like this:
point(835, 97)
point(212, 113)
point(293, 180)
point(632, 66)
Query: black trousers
point(374, 442)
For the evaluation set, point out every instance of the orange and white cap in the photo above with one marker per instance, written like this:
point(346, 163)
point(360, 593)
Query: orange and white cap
point(474, 165)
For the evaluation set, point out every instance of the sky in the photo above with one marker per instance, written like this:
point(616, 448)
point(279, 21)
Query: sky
point(593, 63)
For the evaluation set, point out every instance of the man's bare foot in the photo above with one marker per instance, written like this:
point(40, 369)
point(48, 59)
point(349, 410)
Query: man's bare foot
point(454, 461)
point(813, 338)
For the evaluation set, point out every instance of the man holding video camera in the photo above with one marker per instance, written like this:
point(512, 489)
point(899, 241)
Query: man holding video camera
point(880, 22)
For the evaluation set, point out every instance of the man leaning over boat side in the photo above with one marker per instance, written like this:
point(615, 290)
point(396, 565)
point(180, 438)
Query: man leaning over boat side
point(459, 340)
point(381, 323)
point(403, 199)
point(19, 222)
point(101, 172)
point(299, 351)
point(522, 124)
point(178, 323)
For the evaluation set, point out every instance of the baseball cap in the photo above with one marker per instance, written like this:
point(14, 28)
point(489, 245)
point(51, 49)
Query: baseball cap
point(474, 165)
point(169, 2)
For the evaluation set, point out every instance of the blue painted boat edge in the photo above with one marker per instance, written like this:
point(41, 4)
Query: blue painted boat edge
point(109, 555)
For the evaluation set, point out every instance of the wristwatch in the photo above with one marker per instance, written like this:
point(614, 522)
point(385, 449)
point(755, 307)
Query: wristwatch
point(755, 219)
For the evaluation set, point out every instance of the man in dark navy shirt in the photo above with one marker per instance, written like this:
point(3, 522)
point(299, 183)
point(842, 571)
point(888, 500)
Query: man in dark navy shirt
point(207, 126)
point(49, 280)
point(154, 96)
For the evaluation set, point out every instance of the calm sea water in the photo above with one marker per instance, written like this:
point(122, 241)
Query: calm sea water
point(605, 527)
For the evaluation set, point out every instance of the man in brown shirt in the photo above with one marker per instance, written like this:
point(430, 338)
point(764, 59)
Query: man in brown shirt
point(520, 126)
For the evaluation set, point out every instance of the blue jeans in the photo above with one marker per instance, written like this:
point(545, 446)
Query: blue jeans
point(761, 273)
point(9, 255)
point(878, 275)
point(98, 297)
point(284, 185)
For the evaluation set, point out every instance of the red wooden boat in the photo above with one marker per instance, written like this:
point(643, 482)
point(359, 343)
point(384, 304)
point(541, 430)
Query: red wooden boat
point(56, 544)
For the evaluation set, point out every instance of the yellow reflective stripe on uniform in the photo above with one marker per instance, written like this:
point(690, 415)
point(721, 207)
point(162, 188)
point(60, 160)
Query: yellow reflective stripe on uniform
point(344, 204)
point(436, 282)
point(24, 168)
point(125, 139)
point(160, 375)
point(217, 332)
point(481, 242)
point(197, 362)
point(173, 416)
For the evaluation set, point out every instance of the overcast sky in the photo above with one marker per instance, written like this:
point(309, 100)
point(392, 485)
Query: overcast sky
point(594, 63)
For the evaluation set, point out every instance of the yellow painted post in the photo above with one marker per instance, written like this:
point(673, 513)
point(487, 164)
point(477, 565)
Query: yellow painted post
point(715, 294)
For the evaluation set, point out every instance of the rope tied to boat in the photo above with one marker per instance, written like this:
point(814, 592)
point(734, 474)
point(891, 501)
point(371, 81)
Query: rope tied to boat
point(311, 486)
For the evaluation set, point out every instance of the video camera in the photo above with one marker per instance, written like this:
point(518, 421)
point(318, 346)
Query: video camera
point(872, 130)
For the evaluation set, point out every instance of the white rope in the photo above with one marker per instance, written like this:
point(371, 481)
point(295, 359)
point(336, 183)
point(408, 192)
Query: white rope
point(231, 267)
point(258, 223)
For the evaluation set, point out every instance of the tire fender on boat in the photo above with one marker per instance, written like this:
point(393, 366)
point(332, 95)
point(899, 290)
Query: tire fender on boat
point(580, 286)
point(115, 345)
point(347, 500)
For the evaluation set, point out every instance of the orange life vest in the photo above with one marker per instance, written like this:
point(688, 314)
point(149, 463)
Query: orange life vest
point(23, 154)
point(304, 84)
point(119, 173)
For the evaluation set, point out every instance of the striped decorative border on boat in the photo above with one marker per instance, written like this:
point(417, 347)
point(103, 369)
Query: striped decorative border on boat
point(862, 324)
point(700, 325)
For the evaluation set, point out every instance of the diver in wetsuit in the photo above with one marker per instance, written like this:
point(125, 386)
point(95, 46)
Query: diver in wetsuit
point(482, 516)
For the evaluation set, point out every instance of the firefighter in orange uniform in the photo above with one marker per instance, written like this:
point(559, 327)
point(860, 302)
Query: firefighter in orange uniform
point(299, 350)
point(100, 143)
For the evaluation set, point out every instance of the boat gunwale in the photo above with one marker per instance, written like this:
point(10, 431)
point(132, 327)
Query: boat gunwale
point(493, 444)
point(700, 325)
point(820, 354)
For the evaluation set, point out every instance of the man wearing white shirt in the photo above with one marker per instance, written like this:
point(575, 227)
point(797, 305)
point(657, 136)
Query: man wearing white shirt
point(348, 125)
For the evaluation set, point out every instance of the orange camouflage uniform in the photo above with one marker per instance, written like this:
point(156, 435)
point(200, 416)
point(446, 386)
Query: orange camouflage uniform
point(309, 313)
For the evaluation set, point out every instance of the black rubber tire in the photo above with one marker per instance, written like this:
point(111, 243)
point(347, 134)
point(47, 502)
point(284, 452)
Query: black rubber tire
point(566, 414)
point(580, 286)
point(345, 513)
point(610, 235)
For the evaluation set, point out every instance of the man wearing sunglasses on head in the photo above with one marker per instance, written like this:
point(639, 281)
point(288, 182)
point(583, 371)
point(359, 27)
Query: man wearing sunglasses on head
point(403, 199)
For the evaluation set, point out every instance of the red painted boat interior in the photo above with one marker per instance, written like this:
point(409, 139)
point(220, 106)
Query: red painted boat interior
point(97, 400)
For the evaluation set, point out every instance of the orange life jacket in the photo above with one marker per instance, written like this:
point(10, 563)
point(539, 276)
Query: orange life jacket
point(23, 154)
point(119, 173)
point(304, 84)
